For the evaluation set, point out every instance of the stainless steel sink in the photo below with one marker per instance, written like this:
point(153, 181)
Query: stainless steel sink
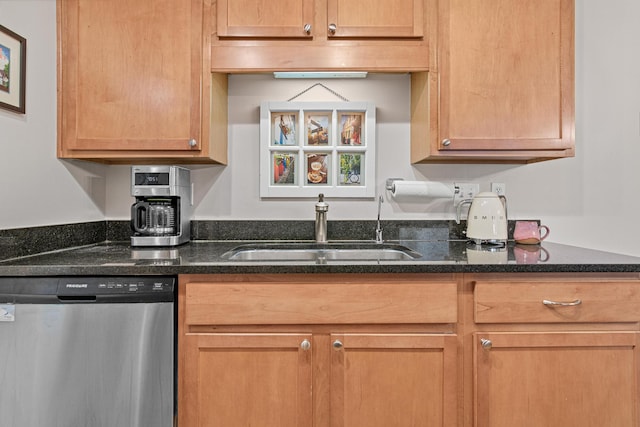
point(320, 252)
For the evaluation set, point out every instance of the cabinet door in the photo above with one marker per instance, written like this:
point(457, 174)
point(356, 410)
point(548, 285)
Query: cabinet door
point(573, 379)
point(265, 18)
point(240, 380)
point(381, 380)
point(131, 78)
point(375, 18)
point(505, 79)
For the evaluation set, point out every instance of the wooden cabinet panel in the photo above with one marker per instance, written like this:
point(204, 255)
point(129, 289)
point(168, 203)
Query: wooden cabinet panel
point(573, 379)
point(276, 350)
point(375, 18)
point(134, 82)
point(239, 380)
point(380, 380)
point(265, 18)
point(504, 82)
point(317, 303)
point(296, 35)
point(556, 302)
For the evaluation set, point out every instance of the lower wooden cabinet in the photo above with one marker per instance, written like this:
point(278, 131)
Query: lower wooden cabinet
point(249, 379)
point(309, 352)
point(568, 379)
point(555, 350)
point(450, 350)
point(273, 379)
point(382, 380)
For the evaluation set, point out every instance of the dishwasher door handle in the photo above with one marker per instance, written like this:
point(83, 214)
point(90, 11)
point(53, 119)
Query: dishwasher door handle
point(77, 298)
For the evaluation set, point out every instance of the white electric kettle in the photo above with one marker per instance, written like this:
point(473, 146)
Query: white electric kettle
point(487, 219)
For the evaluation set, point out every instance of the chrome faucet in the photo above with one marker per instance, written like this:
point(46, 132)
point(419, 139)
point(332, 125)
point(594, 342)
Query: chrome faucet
point(321, 219)
point(379, 226)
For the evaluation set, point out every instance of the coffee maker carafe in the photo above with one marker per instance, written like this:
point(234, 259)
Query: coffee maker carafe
point(161, 214)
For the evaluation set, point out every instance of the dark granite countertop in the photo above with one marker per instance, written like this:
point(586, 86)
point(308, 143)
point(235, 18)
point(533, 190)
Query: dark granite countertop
point(206, 257)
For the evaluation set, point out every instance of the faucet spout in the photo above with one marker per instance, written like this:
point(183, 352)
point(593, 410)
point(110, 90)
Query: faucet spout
point(379, 238)
point(321, 219)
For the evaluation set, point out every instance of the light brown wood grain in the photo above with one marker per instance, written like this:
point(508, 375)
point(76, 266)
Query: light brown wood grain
point(317, 303)
point(134, 81)
point(573, 379)
point(505, 83)
point(522, 301)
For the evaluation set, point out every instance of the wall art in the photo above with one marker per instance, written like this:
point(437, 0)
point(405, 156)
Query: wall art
point(13, 58)
point(307, 148)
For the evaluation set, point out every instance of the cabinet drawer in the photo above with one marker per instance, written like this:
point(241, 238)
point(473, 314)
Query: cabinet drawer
point(556, 302)
point(256, 303)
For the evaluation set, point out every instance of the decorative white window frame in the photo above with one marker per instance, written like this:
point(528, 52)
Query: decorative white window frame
point(291, 160)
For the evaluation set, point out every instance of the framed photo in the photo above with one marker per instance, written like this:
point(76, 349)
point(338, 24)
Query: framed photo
point(284, 128)
point(318, 168)
point(351, 169)
point(312, 147)
point(284, 168)
point(351, 128)
point(318, 128)
point(13, 58)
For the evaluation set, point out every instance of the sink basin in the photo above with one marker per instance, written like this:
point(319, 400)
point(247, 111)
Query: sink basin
point(320, 252)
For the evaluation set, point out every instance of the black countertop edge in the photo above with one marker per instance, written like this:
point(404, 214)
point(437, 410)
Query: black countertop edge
point(207, 257)
point(300, 269)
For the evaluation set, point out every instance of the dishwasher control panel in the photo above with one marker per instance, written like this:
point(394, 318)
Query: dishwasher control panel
point(97, 289)
point(94, 285)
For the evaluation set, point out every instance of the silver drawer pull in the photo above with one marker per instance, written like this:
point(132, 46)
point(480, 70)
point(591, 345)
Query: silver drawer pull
point(561, 304)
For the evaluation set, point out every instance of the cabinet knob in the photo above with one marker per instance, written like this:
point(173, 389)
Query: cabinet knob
point(446, 142)
point(333, 28)
point(192, 142)
point(305, 345)
point(337, 345)
point(485, 343)
point(307, 28)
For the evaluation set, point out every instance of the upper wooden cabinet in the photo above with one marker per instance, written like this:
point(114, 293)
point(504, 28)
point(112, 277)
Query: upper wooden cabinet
point(501, 83)
point(375, 18)
point(281, 35)
point(135, 83)
point(320, 18)
point(265, 18)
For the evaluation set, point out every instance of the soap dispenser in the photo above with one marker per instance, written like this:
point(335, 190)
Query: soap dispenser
point(321, 219)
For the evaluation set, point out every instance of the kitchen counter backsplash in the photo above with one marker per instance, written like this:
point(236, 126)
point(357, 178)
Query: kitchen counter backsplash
point(21, 242)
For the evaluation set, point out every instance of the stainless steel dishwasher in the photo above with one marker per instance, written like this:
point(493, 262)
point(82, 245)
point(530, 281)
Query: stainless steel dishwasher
point(87, 352)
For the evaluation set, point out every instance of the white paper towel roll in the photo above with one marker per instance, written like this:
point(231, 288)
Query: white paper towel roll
point(420, 190)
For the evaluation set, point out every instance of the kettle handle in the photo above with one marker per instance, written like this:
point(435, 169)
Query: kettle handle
point(139, 216)
point(459, 209)
point(504, 203)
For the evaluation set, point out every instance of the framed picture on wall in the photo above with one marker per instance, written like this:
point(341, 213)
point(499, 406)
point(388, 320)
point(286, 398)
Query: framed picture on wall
point(284, 168)
point(351, 169)
point(318, 168)
point(318, 128)
point(13, 58)
point(284, 128)
point(312, 147)
point(351, 128)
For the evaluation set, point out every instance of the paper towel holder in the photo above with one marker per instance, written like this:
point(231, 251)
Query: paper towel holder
point(390, 181)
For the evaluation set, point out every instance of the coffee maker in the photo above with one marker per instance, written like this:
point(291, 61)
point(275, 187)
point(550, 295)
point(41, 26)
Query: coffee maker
point(161, 214)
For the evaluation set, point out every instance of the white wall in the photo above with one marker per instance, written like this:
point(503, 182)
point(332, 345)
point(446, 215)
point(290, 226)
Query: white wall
point(587, 200)
point(36, 188)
